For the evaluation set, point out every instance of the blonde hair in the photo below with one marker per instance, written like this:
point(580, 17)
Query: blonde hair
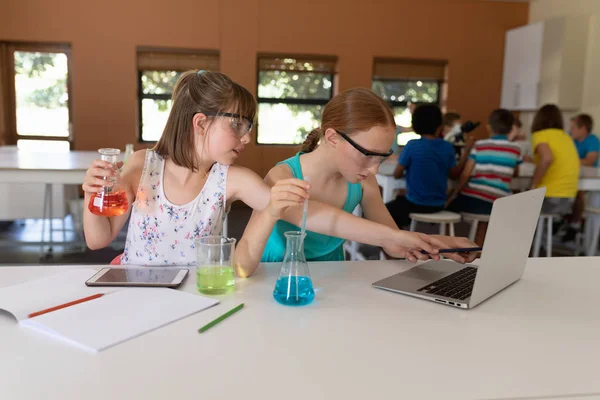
point(352, 110)
point(195, 92)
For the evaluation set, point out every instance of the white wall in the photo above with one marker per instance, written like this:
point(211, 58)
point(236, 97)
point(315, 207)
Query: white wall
point(540, 10)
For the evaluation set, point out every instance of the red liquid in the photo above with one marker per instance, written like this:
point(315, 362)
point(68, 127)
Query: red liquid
point(109, 204)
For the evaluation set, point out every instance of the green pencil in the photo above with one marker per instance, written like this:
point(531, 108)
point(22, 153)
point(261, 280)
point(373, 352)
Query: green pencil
point(221, 318)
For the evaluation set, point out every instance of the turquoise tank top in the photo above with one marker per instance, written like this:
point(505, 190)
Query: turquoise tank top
point(317, 247)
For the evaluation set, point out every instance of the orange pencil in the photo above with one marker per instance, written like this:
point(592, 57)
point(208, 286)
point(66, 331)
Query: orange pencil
point(72, 303)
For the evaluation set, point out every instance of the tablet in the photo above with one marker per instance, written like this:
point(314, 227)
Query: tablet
point(139, 276)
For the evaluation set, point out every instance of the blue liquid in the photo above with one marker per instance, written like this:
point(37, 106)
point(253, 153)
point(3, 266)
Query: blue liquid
point(294, 291)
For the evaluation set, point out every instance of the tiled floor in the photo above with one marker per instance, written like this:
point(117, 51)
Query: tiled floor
point(31, 231)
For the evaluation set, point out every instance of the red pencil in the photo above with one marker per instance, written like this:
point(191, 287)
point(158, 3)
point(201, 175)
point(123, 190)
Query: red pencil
point(72, 303)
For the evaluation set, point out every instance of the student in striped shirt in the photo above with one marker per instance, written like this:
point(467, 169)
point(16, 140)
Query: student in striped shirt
point(488, 172)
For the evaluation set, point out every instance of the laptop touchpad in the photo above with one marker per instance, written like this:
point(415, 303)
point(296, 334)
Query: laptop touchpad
point(427, 273)
point(424, 273)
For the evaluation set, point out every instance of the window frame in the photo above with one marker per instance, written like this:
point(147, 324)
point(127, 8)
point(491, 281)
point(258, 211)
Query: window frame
point(141, 96)
point(9, 105)
point(394, 103)
point(287, 100)
point(140, 71)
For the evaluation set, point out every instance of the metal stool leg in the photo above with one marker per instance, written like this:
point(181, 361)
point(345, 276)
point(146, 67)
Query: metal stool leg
point(473, 230)
point(50, 216)
point(538, 237)
point(593, 244)
point(549, 238)
point(44, 216)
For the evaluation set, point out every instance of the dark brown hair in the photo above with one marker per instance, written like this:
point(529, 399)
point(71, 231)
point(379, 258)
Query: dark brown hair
point(547, 117)
point(584, 120)
point(427, 119)
point(353, 110)
point(199, 91)
point(501, 121)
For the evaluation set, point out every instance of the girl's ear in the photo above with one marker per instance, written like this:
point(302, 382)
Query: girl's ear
point(199, 123)
point(331, 137)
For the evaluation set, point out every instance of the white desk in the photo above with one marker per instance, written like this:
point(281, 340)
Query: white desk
point(65, 168)
point(589, 181)
point(538, 338)
point(22, 174)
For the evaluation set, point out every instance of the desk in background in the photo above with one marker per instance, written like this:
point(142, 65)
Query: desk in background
point(40, 184)
point(589, 181)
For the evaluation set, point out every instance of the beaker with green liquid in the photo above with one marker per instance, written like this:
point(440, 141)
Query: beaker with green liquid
point(215, 273)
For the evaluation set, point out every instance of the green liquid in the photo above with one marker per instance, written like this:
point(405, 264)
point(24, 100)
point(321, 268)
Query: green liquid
point(215, 279)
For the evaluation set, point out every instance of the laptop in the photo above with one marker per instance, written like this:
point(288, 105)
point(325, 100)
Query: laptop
point(507, 244)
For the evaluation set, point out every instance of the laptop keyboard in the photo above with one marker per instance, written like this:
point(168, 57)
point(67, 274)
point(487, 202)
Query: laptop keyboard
point(458, 285)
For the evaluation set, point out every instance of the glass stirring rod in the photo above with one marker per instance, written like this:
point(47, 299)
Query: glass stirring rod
point(304, 214)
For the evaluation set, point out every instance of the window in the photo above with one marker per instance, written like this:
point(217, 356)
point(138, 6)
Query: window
point(401, 82)
point(35, 86)
point(292, 92)
point(158, 70)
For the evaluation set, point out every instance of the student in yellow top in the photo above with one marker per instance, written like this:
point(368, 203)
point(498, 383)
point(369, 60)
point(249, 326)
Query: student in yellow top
point(556, 159)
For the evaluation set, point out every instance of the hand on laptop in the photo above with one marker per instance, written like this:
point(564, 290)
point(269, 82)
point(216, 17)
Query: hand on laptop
point(450, 242)
point(409, 245)
point(416, 246)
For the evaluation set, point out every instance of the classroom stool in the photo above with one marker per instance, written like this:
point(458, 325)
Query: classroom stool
point(539, 233)
point(442, 218)
point(475, 219)
point(592, 231)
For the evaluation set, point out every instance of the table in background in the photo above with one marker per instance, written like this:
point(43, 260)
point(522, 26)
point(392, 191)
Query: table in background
point(589, 180)
point(64, 171)
point(537, 338)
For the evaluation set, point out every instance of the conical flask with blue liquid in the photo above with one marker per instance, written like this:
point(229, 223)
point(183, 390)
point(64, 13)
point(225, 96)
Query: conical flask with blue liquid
point(294, 286)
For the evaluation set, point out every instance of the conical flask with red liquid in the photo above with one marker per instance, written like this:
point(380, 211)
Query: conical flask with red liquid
point(112, 200)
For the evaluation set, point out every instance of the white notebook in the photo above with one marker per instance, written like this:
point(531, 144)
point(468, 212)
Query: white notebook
point(97, 324)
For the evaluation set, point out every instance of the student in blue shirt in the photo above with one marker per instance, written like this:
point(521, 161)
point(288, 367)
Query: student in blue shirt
point(588, 144)
point(427, 163)
point(588, 147)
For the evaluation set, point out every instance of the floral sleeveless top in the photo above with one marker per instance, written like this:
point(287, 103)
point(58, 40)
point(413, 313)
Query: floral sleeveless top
point(162, 233)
